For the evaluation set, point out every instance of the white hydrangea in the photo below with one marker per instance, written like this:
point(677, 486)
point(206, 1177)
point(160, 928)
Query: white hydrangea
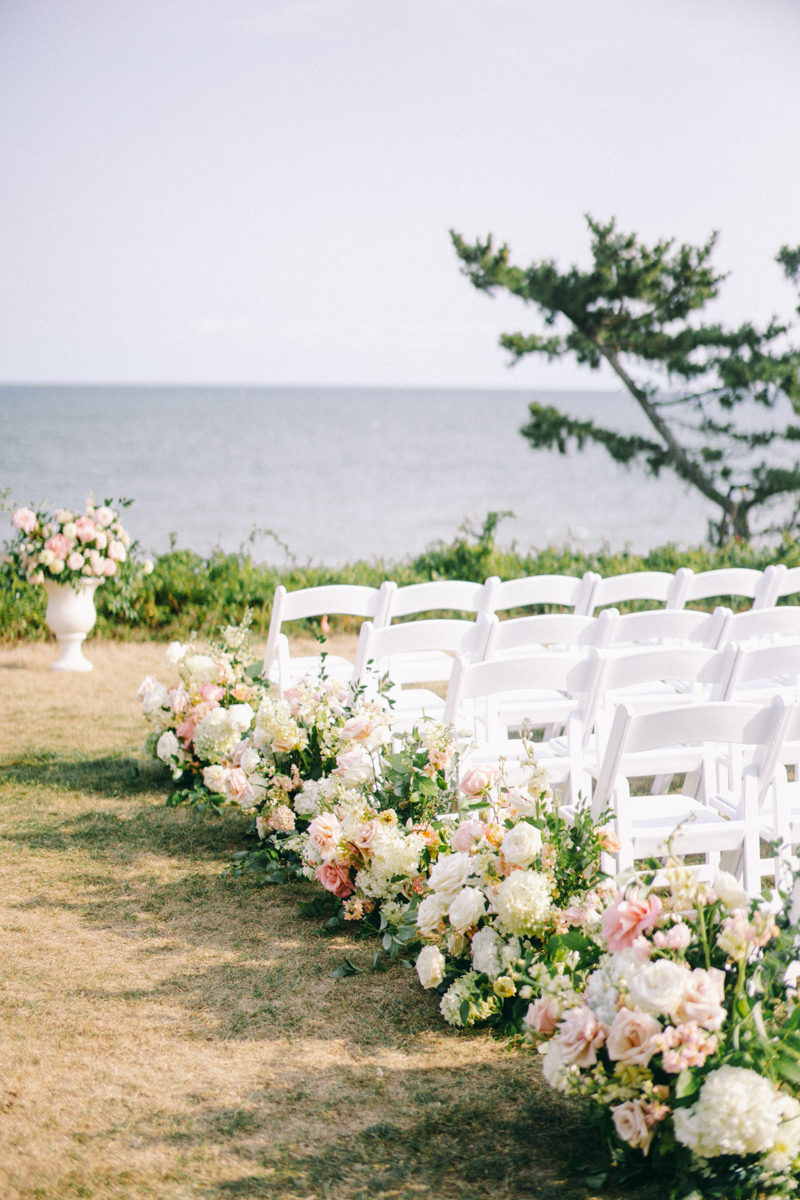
point(395, 860)
point(201, 667)
point(604, 984)
point(307, 802)
point(486, 946)
point(738, 1111)
point(215, 738)
point(464, 989)
point(276, 729)
point(522, 901)
point(174, 654)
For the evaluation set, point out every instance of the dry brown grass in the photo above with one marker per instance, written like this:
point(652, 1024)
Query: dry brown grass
point(167, 1034)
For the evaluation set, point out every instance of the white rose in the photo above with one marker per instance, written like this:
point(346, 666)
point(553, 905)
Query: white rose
point(117, 551)
point(46, 557)
point(154, 699)
point(450, 872)
point(660, 986)
point(729, 890)
point(70, 530)
point(167, 746)
point(215, 778)
point(467, 908)
point(521, 844)
point(486, 952)
point(430, 913)
point(56, 566)
point(430, 966)
point(249, 761)
point(240, 717)
point(174, 653)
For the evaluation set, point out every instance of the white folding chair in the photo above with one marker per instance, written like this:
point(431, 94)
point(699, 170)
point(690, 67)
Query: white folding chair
point(730, 581)
point(787, 581)
point(673, 740)
point(396, 651)
point(440, 595)
point(667, 626)
point(564, 590)
point(482, 694)
point(552, 632)
point(640, 585)
point(780, 818)
point(774, 625)
point(340, 599)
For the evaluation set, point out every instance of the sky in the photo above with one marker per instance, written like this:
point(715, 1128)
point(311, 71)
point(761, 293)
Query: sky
point(260, 191)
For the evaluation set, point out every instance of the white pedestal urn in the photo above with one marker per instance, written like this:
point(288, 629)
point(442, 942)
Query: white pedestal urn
point(71, 615)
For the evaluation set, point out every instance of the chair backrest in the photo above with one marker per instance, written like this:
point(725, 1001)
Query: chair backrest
point(762, 662)
point(788, 581)
point(564, 590)
point(474, 680)
point(729, 581)
point(721, 722)
point(343, 599)
point(636, 585)
point(671, 624)
point(440, 595)
point(762, 622)
point(394, 641)
point(551, 629)
point(339, 598)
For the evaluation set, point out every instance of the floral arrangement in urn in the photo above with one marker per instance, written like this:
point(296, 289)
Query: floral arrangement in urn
point(64, 547)
point(678, 1021)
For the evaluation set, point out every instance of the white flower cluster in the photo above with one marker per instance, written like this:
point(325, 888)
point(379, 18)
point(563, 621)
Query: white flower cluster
point(276, 729)
point(740, 1112)
point(219, 731)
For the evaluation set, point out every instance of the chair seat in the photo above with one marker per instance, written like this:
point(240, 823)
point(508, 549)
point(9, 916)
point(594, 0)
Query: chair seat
point(422, 666)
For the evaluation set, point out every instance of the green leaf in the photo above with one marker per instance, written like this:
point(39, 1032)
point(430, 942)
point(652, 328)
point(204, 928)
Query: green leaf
point(687, 1084)
point(345, 969)
point(463, 1012)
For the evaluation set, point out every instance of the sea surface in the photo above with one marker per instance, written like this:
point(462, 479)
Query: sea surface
point(334, 474)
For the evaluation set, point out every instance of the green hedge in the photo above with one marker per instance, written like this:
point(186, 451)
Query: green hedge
point(187, 592)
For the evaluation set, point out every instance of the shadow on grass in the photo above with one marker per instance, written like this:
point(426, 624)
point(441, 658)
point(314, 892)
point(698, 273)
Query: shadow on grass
point(109, 775)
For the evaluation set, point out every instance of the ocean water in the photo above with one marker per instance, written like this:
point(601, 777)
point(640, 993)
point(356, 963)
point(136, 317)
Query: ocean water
point(334, 473)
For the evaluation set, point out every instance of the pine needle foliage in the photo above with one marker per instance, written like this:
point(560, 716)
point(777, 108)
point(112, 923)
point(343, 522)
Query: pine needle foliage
point(722, 404)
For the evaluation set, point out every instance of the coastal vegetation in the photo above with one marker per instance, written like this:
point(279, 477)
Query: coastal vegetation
point(187, 591)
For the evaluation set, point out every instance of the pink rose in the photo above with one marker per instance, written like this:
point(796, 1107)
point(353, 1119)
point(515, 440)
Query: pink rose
point(186, 730)
point(109, 567)
point(370, 730)
point(543, 1014)
point(630, 1038)
point(238, 751)
point(466, 836)
point(24, 519)
point(477, 779)
point(580, 1036)
point(238, 787)
point(627, 918)
point(676, 938)
point(101, 539)
point(75, 561)
point(365, 837)
point(59, 544)
point(335, 878)
point(85, 529)
point(210, 691)
point(103, 516)
point(631, 1124)
point(702, 1000)
point(324, 833)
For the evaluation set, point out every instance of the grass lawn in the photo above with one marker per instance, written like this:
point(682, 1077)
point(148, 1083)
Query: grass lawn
point(167, 1034)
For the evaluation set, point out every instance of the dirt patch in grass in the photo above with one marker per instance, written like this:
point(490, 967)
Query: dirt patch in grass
point(165, 1034)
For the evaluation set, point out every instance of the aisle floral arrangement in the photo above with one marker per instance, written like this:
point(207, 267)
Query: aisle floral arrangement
point(508, 897)
point(678, 1022)
point(67, 548)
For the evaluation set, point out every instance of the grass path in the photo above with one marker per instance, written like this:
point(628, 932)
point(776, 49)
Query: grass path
point(165, 1034)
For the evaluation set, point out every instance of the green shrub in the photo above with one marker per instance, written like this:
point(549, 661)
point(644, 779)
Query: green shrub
point(188, 592)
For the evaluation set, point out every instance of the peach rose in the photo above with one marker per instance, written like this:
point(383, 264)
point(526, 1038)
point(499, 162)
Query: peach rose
point(365, 837)
point(85, 529)
point(24, 519)
point(466, 836)
point(630, 1038)
point(238, 788)
point(477, 779)
point(369, 730)
point(580, 1036)
point(629, 917)
point(609, 841)
point(324, 833)
point(543, 1014)
point(631, 1124)
point(210, 691)
point(335, 878)
point(702, 999)
point(59, 545)
point(109, 567)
